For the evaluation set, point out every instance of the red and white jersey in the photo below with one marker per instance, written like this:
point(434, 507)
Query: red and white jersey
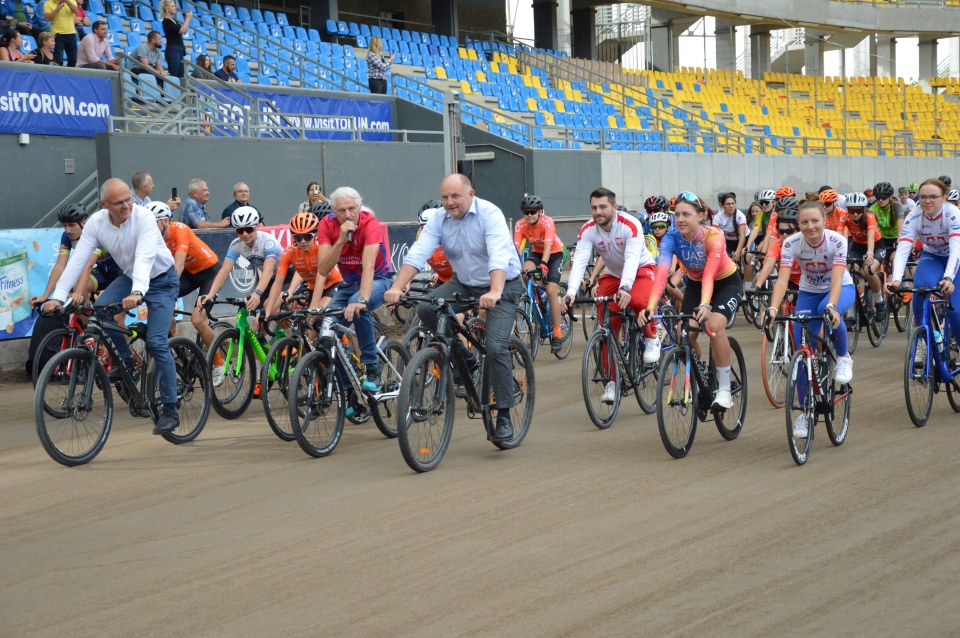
point(939, 236)
point(730, 224)
point(816, 262)
point(622, 248)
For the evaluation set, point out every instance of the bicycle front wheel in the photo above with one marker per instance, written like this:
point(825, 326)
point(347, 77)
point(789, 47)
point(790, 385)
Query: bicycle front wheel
point(317, 408)
point(901, 312)
point(425, 410)
point(800, 412)
point(524, 394)
point(918, 377)
point(877, 328)
point(775, 364)
point(193, 389)
point(275, 376)
point(838, 422)
point(53, 342)
point(392, 364)
point(233, 392)
point(852, 320)
point(78, 436)
point(676, 404)
point(526, 331)
point(600, 369)
point(566, 337)
point(730, 421)
point(588, 318)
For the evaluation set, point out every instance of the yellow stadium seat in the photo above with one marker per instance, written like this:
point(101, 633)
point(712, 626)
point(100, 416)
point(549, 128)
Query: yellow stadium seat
point(481, 76)
point(472, 54)
point(462, 53)
point(465, 88)
point(440, 72)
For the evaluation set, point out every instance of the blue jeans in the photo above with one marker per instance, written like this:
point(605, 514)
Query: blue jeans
point(65, 42)
point(929, 272)
point(161, 299)
point(816, 302)
point(174, 57)
point(363, 323)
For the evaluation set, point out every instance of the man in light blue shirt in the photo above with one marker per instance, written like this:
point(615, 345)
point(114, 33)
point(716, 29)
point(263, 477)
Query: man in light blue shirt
point(477, 241)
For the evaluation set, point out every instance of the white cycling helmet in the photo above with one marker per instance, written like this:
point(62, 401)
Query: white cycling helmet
point(429, 209)
point(159, 210)
point(659, 217)
point(953, 195)
point(856, 200)
point(245, 217)
point(766, 195)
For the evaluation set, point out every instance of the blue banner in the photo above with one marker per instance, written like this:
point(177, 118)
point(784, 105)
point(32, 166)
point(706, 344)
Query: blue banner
point(26, 258)
point(54, 104)
point(332, 116)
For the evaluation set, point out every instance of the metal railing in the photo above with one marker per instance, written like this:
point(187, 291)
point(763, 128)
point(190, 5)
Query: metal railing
point(84, 194)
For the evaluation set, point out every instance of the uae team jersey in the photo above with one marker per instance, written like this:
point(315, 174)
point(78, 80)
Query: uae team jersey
point(305, 263)
point(730, 225)
point(705, 258)
point(351, 257)
point(180, 238)
point(939, 236)
point(858, 234)
point(537, 235)
point(266, 247)
point(622, 248)
point(816, 262)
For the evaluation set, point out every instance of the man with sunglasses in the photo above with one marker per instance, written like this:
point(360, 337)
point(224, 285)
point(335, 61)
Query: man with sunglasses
point(913, 191)
point(546, 252)
point(129, 233)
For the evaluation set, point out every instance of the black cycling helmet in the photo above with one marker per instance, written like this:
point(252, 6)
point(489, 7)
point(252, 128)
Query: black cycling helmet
point(883, 190)
point(433, 203)
point(655, 204)
point(786, 204)
point(321, 208)
point(789, 215)
point(622, 209)
point(72, 214)
point(946, 180)
point(531, 202)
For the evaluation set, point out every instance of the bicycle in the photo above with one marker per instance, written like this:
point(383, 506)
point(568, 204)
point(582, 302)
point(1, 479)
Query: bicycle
point(900, 302)
point(425, 406)
point(318, 392)
point(922, 374)
point(625, 367)
point(751, 304)
point(821, 395)
point(868, 316)
point(79, 428)
point(776, 349)
point(534, 324)
point(683, 398)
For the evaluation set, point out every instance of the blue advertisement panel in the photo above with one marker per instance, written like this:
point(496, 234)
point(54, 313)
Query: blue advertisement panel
point(54, 104)
point(331, 115)
point(26, 257)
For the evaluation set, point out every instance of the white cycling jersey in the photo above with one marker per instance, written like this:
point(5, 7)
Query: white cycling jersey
point(730, 224)
point(264, 248)
point(816, 262)
point(939, 235)
point(622, 248)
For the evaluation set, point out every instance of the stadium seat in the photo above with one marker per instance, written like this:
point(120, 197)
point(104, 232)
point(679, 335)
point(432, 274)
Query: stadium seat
point(269, 17)
point(331, 26)
point(282, 19)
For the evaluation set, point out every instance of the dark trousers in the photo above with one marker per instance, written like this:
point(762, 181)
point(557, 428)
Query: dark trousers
point(377, 86)
point(174, 57)
point(498, 371)
point(65, 42)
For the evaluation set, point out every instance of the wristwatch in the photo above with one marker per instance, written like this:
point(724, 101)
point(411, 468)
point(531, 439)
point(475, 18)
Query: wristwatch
point(363, 300)
point(136, 292)
point(624, 289)
point(948, 278)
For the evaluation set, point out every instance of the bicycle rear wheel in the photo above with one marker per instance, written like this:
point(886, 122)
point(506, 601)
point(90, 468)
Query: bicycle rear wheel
point(799, 404)
point(839, 422)
point(193, 389)
point(877, 327)
point(775, 364)
point(676, 404)
point(233, 396)
point(78, 436)
point(918, 377)
point(526, 331)
point(524, 394)
point(384, 412)
point(901, 312)
point(275, 376)
point(53, 342)
point(730, 422)
point(852, 321)
point(317, 411)
point(600, 367)
point(425, 410)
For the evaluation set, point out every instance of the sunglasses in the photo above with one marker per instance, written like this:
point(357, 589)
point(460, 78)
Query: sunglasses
point(531, 211)
point(765, 202)
point(687, 196)
point(912, 193)
point(786, 232)
point(854, 211)
point(659, 226)
point(246, 230)
point(304, 237)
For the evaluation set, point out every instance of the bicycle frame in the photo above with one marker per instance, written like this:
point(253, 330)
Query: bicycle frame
point(92, 340)
point(347, 359)
point(930, 322)
point(703, 383)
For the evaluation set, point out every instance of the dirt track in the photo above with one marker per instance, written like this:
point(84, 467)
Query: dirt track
point(578, 532)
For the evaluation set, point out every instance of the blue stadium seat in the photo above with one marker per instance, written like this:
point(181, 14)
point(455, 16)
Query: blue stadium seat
point(115, 24)
point(332, 27)
point(244, 13)
point(362, 41)
point(230, 12)
point(365, 30)
point(375, 31)
point(264, 30)
point(353, 29)
point(342, 28)
point(289, 32)
point(216, 8)
point(199, 47)
point(276, 30)
point(256, 15)
point(133, 40)
point(269, 17)
point(136, 26)
point(282, 19)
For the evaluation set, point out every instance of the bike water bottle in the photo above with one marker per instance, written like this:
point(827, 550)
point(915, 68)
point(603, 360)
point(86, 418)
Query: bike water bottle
point(542, 296)
point(938, 339)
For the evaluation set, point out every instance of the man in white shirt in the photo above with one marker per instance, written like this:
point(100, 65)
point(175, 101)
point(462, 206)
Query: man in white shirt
point(130, 234)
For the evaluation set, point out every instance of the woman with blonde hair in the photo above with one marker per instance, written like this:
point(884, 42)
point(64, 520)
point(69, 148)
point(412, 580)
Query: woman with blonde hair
point(173, 31)
point(43, 54)
point(378, 65)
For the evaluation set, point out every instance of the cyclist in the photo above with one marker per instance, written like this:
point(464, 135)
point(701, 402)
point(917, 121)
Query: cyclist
point(766, 200)
point(937, 226)
point(659, 225)
point(889, 214)
point(841, 199)
point(786, 226)
point(860, 225)
point(73, 217)
point(733, 223)
point(871, 198)
point(438, 262)
point(825, 285)
point(541, 234)
point(912, 189)
point(953, 196)
point(946, 181)
point(905, 201)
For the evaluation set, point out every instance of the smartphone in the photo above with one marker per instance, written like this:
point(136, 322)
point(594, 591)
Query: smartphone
point(173, 193)
point(316, 190)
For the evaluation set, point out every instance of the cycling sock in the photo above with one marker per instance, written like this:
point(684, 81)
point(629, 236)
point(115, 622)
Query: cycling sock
point(723, 377)
point(557, 332)
point(217, 358)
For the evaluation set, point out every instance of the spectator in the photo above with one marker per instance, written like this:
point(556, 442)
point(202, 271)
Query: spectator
point(81, 20)
point(38, 26)
point(227, 71)
point(148, 54)
point(241, 197)
point(60, 14)
point(194, 214)
point(143, 187)
point(12, 12)
point(173, 31)
point(378, 66)
point(43, 54)
point(94, 47)
point(10, 45)
point(204, 67)
point(314, 195)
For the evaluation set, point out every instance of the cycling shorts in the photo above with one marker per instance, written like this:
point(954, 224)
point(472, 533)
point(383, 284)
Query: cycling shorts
point(554, 265)
point(726, 296)
point(202, 281)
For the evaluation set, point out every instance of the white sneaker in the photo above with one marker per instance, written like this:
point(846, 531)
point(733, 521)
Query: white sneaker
point(844, 370)
point(800, 427)
point(651, 350)
point(216, 375)
point(609, 393)
point(724, 399)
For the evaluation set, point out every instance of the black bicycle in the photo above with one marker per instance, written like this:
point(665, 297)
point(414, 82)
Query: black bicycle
point(75, 386)
point(865, 309)
point(427, 400)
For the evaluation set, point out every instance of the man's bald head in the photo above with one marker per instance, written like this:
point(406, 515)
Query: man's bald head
point(456, 193)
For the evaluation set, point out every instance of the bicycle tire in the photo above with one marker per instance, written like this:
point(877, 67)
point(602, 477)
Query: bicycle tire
point(232, 398)
point(566, 337)
point(837, 428)
point(68, 338)
point(524, 394)
point(384, 412)
point(775, 364)
point(645, 378)
point(527, 331)
point(674, 405)
point(901, 312)
point(193, 406)
point(595, 374)
point(877, 327)
point(918, 383)
point(426, 395)
point(749, 308)
point(792, 410)
point(738, 390)
point(588, 318)
point(416, 338)
point(953, 396)
point(317, 396)
point(63, 389)
point(852, 323)
point(281, 361)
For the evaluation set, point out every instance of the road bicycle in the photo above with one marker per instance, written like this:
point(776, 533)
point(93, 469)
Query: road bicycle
point(687, 387)
point(900, 302)
point(426, 402)
point(616, 356)
point(752, 305)
point(320, 405)
point(868, 316)
point(534, 325)
point(930, 362)
point(75, 385)
point(812, 391)
point(777, 347)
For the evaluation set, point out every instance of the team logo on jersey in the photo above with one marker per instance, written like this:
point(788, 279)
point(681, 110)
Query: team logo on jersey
point(618, 240)
point(817, 267)
point(602, 245)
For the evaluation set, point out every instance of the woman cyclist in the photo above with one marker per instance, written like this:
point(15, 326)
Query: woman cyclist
point(546, 252)
point(787, 225)
point(765, 199)
point(888, 211)
point(659, 225)
point(937, 226)
point(733, 223)
point(713, 287)
point(860, 225)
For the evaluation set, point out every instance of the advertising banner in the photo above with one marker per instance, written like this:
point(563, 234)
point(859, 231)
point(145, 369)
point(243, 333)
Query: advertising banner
point(26, 257)
point(54, 104)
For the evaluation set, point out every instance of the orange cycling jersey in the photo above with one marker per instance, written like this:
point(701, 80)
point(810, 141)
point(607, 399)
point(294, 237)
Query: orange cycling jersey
point(774, 253)
point(537, 235)
point(830, 222)
point(858, 234)
point(305, 263)
point(441, 265)
point(181, 239)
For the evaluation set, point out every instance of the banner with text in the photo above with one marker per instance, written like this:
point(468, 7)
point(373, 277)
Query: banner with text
point(54, 104)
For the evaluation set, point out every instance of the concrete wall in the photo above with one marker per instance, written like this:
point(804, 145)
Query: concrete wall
point(565, 179)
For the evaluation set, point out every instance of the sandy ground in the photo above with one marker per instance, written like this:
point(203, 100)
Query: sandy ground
point(578, 532)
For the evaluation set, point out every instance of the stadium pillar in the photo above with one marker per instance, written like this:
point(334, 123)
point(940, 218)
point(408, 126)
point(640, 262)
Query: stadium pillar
point(759, 51)
point(321, 11)
point(665, 29)
point(444, 13)
point(812, 53)
point(583, 24)
point(886, 59)
point(928, 58)
point(545, 24)
point(726, 43)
